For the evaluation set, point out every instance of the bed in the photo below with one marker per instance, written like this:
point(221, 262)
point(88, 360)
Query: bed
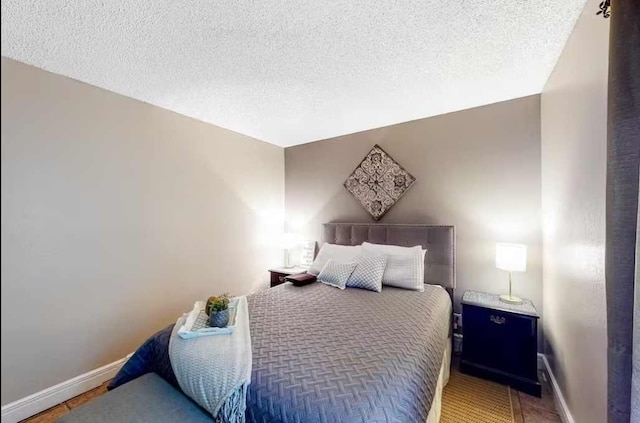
point(325, 355)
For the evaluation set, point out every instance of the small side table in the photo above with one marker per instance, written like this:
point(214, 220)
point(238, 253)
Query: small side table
point(278, 274)
point(500, 341)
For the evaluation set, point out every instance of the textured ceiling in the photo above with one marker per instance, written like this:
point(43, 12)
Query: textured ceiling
point(294, 71)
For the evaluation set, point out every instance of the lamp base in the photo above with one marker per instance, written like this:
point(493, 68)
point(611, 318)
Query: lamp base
point(510, 299)
point(287, 259)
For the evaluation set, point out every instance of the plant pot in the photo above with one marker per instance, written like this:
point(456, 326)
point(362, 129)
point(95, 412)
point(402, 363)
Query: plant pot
point(219, 319)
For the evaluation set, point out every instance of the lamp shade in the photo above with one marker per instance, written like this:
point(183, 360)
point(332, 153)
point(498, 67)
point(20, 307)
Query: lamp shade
point(511, 257)
point(289, 241)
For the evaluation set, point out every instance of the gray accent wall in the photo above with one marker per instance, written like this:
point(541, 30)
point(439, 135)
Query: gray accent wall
point(574, 140)
point(478, 169)
point(116, 216)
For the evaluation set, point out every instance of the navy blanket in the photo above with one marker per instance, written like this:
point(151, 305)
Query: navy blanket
point(152, 356)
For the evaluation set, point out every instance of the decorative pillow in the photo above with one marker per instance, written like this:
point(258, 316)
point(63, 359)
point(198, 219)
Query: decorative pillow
point(368, 272)
point(405, 265)
point(341, 253)
point(336, 274)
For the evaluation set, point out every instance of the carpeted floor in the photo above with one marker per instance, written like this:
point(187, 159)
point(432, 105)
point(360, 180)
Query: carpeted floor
point(467, 399)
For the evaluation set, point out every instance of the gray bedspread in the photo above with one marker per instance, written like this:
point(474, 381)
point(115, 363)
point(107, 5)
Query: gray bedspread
point(325, 355)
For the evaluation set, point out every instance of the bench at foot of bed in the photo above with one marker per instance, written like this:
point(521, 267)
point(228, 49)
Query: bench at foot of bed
point(146, 399)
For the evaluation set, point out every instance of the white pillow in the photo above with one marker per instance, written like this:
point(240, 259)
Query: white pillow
point(336, 274)
point(405, 265)
point(422, 265)
point(340, 253)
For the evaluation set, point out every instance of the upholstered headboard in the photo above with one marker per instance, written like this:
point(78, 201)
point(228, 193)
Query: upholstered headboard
point(440, 242)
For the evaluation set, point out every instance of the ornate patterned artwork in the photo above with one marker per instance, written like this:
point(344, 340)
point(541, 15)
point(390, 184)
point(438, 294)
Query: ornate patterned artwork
point(378, 182)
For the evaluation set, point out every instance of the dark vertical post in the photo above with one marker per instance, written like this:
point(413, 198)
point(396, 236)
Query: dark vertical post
point(623, 161)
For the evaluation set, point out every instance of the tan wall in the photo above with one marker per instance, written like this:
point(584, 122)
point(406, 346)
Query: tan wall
point(116, 216)
point(478, 169)
point(574, 137)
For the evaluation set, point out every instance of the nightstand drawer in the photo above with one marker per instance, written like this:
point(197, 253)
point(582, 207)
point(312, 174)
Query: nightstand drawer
point(498, 322)
point(277, 278)
point(500, 340)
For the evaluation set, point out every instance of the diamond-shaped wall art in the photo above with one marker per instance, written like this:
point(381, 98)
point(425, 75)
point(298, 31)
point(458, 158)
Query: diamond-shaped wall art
point(378, 182)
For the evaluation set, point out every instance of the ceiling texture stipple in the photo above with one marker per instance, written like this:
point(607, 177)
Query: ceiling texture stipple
point(295, 71)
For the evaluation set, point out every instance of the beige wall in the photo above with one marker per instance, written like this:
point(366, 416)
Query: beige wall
point(116, 215)
point(478, 169)
point(574, 136)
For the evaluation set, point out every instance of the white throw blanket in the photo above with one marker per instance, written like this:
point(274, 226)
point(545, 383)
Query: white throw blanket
point(215, 371)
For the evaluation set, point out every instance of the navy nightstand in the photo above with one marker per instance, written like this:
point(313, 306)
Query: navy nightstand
point(500, 341)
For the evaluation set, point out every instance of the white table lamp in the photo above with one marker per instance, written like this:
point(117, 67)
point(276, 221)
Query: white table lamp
point(289, 241)
point(512, 258)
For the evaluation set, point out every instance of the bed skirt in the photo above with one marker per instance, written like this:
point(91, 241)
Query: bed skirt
point(436, 406)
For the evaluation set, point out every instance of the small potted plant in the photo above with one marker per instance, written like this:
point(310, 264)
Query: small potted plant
point(218, 310)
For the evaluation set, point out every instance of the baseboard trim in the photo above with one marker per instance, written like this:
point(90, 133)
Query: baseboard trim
point(558, 397)
point(49, 397)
